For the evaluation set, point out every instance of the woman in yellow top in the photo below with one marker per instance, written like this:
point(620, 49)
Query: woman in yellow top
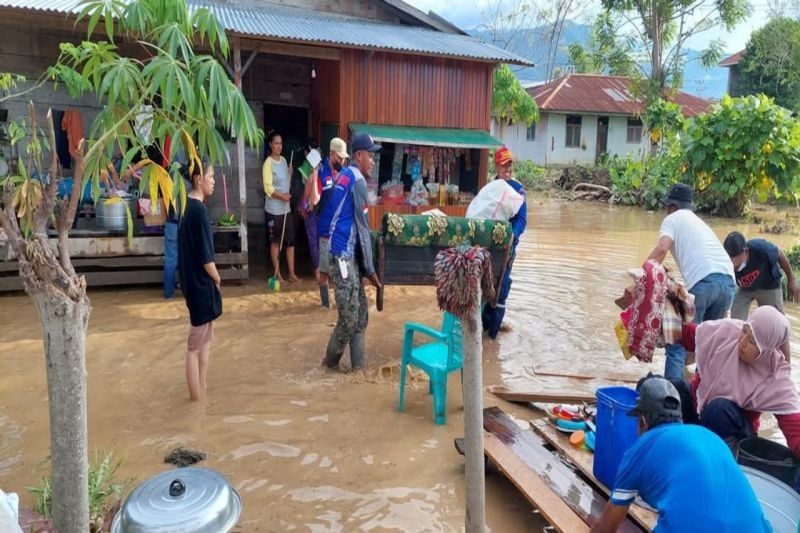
point(277, 178)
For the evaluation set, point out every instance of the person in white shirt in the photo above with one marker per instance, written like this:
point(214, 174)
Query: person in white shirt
point(702, 260)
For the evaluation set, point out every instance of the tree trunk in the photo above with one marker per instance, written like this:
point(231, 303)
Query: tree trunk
point(63, 306)
point(64, 323)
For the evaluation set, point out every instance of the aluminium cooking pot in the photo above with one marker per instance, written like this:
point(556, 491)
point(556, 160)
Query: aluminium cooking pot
point(190, 500)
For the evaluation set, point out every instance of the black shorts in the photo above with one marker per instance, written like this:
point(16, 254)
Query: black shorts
point(276, 227)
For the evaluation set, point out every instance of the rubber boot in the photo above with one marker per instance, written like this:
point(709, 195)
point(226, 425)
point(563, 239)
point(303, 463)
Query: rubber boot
point(324, 297)
point(357, 351)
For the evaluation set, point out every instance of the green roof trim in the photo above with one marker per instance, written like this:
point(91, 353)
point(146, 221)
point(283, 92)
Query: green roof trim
point(442, 137)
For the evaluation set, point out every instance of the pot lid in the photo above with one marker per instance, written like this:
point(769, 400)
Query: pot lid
point(196, 500)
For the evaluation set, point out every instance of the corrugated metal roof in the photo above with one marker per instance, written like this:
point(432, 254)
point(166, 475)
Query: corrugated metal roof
point(591, 93)
point(444, 137)
point(303, 25)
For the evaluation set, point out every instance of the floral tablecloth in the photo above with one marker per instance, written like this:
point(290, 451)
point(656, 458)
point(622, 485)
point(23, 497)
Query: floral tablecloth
point(425, 230)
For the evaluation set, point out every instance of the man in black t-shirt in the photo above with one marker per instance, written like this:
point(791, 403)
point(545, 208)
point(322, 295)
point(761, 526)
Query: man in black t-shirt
point(758, 264)
point(200, 280)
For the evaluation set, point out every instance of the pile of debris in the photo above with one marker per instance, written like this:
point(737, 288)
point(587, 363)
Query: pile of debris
point(585, 183)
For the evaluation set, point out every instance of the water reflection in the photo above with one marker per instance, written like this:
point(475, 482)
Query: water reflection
point(570, 266)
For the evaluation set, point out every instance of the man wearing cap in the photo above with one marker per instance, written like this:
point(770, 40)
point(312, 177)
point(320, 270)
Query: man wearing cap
point(758, 264)
point(328, 176)
point(350, 256)
point(493, 316)
point(703, 262)
point(686, 472)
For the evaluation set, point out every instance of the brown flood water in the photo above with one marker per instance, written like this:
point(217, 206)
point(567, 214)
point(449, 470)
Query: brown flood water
point(310, 450)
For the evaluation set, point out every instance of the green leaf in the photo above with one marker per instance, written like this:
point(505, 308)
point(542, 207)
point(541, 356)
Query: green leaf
point(129, 222)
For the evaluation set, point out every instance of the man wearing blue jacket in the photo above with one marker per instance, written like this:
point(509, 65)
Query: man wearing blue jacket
point(350, 256)
point(493, 316)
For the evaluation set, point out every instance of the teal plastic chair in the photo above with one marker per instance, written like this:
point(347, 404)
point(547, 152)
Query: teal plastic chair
point(437, 359)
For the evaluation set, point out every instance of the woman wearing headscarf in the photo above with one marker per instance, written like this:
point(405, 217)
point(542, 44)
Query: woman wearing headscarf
point(744, 371)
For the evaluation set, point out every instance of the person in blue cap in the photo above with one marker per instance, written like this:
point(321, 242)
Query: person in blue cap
point(684, 471)
point(350, 256)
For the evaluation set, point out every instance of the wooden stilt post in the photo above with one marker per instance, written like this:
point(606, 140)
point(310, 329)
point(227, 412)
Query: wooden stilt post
point(237, 76)
point(473, 419)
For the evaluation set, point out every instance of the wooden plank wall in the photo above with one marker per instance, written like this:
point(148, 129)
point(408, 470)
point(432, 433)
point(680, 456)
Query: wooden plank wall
point(414, 90)
point(28, 50)
point(325, 96)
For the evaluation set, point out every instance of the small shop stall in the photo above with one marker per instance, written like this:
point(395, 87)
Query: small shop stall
point(421, 169)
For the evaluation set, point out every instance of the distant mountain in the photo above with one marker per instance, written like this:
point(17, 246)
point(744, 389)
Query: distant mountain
point(531, 44)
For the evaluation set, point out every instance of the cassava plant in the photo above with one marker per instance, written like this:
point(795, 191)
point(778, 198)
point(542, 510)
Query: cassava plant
point(180, 94)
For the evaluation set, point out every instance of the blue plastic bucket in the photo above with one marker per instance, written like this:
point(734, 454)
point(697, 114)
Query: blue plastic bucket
point(616, 431)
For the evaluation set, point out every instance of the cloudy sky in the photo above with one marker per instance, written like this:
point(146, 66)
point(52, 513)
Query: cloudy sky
point(466, 14)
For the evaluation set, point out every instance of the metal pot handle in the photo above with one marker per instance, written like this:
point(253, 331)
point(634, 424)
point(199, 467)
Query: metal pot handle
point(177, 488)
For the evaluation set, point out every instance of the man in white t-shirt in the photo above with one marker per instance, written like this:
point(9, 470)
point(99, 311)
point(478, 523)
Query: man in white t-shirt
point(702, 260)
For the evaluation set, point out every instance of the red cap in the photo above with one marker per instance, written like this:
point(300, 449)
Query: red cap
point(502, 156)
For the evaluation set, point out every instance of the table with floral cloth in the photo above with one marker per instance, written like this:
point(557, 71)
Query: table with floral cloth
point(406, 245)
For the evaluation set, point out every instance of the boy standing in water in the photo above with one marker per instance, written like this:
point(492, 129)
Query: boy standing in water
point(200, 280)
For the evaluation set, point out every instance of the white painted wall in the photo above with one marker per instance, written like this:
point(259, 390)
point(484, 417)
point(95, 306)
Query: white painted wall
point(514, 136)
point(550, 148)
point(557, 151)
point(618, 139)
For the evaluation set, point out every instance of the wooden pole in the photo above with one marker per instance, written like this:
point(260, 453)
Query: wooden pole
point(473, 419)
point(237, 70)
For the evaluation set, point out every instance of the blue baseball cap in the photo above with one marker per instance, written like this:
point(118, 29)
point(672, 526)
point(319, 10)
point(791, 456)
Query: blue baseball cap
point(363, 141)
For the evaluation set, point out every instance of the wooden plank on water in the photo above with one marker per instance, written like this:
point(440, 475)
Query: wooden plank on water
point(583, 461)
point(520, 396)
point(581, 498)
point(536, 491)
point(607, 376)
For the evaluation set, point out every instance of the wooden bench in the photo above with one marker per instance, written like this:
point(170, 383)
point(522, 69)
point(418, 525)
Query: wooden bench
point(107, 259)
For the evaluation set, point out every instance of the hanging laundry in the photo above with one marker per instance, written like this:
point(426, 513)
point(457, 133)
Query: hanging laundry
point(62, 141)
point(429, 168)
point(72, 123)
point(397, 162)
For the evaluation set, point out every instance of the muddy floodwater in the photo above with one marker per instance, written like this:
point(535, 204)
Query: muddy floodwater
point(311, 450)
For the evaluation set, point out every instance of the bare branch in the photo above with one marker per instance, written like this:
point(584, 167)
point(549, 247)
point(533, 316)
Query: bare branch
point(43, 211)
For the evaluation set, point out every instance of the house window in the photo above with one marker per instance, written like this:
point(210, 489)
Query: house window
point(573, 131)
point(634, 130)
point(530, 134)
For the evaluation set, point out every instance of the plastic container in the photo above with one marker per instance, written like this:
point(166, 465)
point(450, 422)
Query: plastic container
point(616, 431)
point(772, 458)
point(780, 503)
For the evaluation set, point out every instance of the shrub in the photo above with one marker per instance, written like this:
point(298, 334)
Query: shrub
point(642, 182)
point(745, 146)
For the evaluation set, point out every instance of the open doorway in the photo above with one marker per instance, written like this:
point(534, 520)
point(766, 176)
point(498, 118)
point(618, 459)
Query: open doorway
point(292, 122)
point(602, 139)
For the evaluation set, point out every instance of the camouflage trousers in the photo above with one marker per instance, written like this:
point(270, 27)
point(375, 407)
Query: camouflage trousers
point(353, 309)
